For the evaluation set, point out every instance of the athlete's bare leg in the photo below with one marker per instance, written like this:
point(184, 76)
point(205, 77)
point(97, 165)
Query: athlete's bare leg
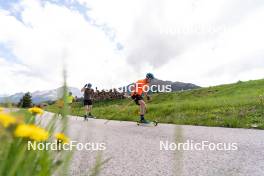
point(142, 107)
point(90, 109)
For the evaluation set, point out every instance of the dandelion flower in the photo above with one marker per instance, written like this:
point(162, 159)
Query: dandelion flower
point(36, 110)
point(6, 120)
point(39, 134)
point(32, 132)
point(62, 137)
point(23, 130)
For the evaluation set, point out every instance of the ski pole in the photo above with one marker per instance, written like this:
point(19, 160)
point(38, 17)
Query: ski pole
point(124, 107)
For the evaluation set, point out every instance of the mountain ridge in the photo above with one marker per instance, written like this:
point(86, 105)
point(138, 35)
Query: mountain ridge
point(53, 94)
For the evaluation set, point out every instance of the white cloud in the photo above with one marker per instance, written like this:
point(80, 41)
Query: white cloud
point(187, 40)
point(16, 77)
point(55, 35)
point(177, 40)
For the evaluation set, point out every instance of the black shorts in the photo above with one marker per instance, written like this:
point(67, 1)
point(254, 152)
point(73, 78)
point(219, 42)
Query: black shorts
point(136, 98)
point(88, 102)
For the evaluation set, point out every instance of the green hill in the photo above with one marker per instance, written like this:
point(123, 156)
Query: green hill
point(233, 105)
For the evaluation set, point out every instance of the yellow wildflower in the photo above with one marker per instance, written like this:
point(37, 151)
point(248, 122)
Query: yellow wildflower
point(36, 110)
point(1, 109)
point(62, 137)
point(32, 132)
point(23, 130)
point(39, 134)
point(6, 120)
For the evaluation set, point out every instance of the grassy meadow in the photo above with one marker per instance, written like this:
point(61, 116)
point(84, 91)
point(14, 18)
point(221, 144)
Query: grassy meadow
point(238, 105)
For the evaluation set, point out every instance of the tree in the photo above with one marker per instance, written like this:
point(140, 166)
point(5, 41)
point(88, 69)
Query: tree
point(26, 101)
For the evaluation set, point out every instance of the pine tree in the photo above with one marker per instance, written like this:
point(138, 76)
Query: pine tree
point(26, 101)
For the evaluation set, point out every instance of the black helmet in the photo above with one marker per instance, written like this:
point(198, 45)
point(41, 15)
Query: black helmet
point(150, 76)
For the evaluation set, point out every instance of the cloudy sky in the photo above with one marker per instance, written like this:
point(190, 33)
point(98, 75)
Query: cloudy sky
point(112, 43)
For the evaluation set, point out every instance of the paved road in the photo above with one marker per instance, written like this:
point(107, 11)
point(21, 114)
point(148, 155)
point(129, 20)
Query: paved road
point(135, 150)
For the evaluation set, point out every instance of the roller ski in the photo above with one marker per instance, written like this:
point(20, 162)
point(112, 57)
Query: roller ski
point(92, 117)
point(86, 117)
point(147, 123)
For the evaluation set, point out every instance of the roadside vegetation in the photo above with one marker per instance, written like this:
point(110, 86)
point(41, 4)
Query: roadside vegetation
point(18, 128)
point(239, 105)
point(16, 158)
point(21, 130)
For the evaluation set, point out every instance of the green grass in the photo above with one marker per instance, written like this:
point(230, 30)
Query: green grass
point(238, 105)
